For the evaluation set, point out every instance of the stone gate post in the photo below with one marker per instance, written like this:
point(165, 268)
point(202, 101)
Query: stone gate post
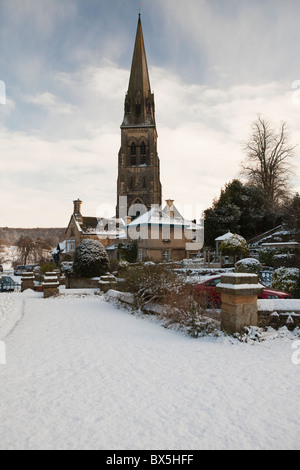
point(27, 281)
point(239, 301)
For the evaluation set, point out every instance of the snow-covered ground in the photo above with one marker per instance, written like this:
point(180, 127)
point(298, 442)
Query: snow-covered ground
point(82, 374)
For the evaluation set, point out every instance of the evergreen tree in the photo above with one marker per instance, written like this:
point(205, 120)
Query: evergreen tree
point(90, 259)
point(240, 209)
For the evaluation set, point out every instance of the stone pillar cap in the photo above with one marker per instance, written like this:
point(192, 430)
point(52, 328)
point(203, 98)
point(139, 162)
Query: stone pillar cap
point(239, 278)
point(240, 284)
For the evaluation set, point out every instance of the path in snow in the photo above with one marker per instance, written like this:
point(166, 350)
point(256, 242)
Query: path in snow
point(11, 310)
point(82, 374)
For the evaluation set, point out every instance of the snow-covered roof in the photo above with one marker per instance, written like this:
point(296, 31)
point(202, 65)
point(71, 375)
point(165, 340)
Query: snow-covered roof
point(280, 244)
point(112, 227)
point(224, 237)
point(111, 247)
point(157, 216)
point(61, 248)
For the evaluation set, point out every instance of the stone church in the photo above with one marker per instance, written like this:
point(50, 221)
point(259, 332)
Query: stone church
point(139, 166)
point(161, 233)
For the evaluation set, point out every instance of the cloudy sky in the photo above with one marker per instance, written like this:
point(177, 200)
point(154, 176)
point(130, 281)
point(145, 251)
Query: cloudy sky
point(214, 65)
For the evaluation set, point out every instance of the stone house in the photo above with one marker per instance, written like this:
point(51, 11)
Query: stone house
point(81, 227)
point(163, 236)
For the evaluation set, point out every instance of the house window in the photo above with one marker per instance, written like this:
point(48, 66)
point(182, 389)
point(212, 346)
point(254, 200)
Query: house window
point(70, 246)
point(144, 182)
point(166, 255)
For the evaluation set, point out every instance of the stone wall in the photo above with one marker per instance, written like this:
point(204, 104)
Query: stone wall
point(279, 312)
point(278, 320)
point(81, 283)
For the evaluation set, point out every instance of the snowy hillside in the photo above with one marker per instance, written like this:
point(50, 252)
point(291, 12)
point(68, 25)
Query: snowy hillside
point(9, 254)
point(82, 374)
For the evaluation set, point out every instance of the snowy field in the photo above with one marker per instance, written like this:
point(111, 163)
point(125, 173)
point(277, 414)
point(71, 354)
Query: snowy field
point(82, 374)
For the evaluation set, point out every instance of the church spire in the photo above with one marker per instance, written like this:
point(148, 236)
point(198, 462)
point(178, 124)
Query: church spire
point(139, 101)
point(139, 184)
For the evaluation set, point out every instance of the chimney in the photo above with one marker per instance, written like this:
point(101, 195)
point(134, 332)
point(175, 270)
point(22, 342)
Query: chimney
point(170, 204)
point(77, 209)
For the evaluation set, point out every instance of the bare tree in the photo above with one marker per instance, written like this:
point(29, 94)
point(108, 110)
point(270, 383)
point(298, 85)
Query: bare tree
point(2, 251)
point(32, 250)
point(268, 161)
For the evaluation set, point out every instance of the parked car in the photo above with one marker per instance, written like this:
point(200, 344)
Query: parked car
point(31, 267)
point(7, 284)
point(1, 268)
point(209, 287)
point(19, 270)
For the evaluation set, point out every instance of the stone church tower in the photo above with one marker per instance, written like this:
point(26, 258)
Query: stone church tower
point(139, 166)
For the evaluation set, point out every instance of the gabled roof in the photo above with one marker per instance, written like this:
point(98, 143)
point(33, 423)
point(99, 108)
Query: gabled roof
point(224, 237)
point(99, 227)
point(157, 217)
point(89, 224)
point(61, 248)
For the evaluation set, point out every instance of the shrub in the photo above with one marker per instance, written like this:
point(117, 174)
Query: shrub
point(266, 256)
point(234, 245)
point(158, 284)
point(286, 279)
point(248, 265)
point(90, 259)
point(188, 310)
point(129, 251)
point(66, 267)
point(147, 283)
point(47, 268)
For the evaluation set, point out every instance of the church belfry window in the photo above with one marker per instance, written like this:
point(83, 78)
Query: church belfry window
point(137, 109)
point(133, 149)
point(143, 153)
point(133, 153)
point(143, 149)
